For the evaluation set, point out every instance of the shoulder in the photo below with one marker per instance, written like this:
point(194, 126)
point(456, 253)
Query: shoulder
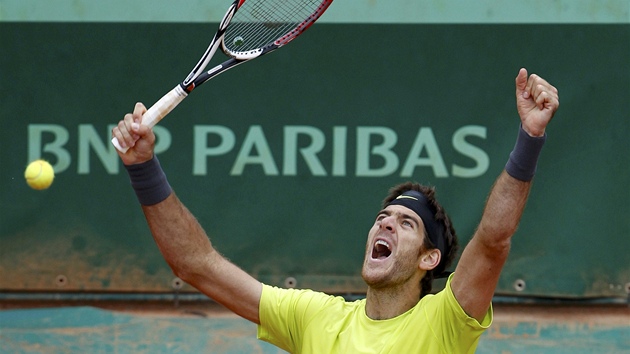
point(270, 292)
point(298, 300)
point(289, 318)
point(445, 305)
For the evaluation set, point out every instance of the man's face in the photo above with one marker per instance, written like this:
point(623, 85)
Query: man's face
point(394, 246)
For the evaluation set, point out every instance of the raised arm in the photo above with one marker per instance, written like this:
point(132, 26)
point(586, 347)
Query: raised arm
point(480, 265)
point(179, 236)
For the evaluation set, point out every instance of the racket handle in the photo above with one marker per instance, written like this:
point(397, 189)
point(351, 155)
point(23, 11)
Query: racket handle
point(158, 111)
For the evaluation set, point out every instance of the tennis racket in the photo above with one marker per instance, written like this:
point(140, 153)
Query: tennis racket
point(249, 29)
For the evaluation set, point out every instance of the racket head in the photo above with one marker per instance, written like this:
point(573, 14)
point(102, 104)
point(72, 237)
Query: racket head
point(260, 26)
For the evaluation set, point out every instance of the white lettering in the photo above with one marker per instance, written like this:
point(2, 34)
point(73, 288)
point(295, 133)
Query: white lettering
point(201, 151)
point(375, 156)
point(339, 151)
point(365, 150)
point(462, 146)
point(255, 138)
point(309, 153)
point(88, 140)
point(425, 140)
point(60, 138)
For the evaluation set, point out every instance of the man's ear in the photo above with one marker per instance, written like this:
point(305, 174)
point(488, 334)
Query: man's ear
point(430, 259)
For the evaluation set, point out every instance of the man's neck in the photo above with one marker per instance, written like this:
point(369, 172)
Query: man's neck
point(386, 303)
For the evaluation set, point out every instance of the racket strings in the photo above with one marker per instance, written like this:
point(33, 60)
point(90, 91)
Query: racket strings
point(258, 24)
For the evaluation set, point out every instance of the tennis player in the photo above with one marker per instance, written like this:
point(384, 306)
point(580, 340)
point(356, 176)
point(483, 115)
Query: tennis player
point(410, 243)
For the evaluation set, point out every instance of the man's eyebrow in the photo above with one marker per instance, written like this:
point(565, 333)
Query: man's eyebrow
point(384, 212)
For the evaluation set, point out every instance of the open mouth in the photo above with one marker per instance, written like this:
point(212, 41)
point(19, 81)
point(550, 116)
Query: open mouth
point(381, 250)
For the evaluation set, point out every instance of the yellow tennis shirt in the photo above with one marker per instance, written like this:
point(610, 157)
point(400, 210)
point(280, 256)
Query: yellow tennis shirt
point(305, 321)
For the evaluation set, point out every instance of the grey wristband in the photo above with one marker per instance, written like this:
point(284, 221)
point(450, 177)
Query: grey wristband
point(524, 157)
point(149, 182)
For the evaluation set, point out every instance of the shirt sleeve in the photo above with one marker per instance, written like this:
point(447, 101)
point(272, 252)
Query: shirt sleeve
point(451, 325)
point(286, 313)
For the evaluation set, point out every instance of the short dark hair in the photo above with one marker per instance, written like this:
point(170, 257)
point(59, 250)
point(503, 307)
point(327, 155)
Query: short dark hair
point(450, 237)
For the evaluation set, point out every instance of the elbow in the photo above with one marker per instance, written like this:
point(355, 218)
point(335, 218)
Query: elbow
point(497, 231)
point(182, 274)
point(497, 251)
point(496, 240)
point(186, 269)
point(188, 275)
point(194, 269)
point(501, 247)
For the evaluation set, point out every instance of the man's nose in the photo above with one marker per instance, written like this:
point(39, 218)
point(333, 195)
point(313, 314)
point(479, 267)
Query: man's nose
point(387, 223)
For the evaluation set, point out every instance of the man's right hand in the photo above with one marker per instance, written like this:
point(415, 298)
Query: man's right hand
point(139, 138)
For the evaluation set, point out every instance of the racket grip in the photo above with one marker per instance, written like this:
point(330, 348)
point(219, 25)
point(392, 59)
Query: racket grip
point(158, 111)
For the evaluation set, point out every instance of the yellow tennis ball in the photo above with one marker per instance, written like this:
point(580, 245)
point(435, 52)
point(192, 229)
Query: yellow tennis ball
point(39, 174)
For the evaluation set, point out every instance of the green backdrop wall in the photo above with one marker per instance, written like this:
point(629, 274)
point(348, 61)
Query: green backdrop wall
point(285, 160)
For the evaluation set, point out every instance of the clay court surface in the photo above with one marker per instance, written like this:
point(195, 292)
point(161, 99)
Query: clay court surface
point(205, 327)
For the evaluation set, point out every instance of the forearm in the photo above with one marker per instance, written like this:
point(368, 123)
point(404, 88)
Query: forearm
point(181, 240)
point(503, 211)
point(176, 231)
point(508, 196)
